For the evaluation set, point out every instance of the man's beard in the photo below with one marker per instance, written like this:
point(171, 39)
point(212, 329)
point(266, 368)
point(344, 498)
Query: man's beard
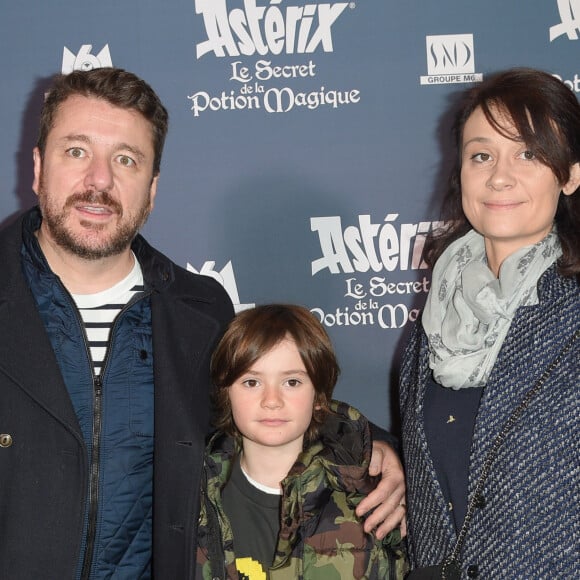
point(87, 246)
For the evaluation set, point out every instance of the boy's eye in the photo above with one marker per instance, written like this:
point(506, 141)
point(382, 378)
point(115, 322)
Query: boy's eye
point(293, 382)
point(528, 155)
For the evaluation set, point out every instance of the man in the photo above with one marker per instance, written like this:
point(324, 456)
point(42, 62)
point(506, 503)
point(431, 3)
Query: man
point(104, 354)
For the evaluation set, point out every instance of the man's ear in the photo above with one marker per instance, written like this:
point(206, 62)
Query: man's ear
point(153, 191)
point(37, 160)
point(572, 185)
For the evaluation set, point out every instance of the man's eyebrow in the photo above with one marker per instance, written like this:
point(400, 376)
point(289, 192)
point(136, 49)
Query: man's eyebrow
point(75, 137)
point(134, 150)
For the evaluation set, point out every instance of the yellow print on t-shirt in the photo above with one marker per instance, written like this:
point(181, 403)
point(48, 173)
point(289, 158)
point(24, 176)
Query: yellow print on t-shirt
point(249, 569)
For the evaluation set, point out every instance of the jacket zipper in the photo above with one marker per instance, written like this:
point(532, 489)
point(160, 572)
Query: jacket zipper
point(94, 476)
point(94, 470)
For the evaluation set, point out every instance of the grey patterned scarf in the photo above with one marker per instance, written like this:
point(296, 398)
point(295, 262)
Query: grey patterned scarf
point(469, 311)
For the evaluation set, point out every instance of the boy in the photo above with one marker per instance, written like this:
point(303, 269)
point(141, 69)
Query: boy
point(287, 466)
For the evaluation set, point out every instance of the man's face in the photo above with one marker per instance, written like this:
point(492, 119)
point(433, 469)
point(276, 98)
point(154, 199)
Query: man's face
point(95, 184)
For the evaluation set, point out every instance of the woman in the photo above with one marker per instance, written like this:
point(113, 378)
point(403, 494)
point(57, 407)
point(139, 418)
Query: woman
point(496, 350)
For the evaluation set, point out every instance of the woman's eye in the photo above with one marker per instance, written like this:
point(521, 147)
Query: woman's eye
point(481, 157)
point(250, 383)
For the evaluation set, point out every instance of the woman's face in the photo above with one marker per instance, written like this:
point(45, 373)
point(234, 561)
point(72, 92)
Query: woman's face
point(508, 195)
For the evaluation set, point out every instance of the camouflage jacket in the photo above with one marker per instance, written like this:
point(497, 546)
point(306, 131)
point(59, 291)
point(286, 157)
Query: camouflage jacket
point(320, 536)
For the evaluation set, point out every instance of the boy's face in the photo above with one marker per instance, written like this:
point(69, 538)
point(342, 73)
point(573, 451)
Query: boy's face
point(272, 403)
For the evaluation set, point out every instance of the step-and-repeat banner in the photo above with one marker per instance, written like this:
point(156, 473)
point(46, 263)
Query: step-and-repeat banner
point(309, 141)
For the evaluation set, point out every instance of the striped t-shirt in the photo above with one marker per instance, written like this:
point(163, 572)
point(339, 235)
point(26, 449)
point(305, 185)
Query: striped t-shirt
point(98, 312)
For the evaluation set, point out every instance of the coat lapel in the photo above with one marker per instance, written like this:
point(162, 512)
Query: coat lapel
point(429, 515)
point(26, 355)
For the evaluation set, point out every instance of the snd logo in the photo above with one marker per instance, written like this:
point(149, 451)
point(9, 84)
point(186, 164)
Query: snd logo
point(450, 59)
point(450, 54)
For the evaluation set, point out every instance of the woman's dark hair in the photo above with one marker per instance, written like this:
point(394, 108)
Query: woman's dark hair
point(115, 86)
point(546, 116)
point(251, 335)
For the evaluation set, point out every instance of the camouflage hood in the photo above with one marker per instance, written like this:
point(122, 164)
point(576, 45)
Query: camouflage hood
point(339, 460)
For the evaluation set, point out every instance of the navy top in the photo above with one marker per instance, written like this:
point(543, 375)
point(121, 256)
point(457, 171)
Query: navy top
point(449, 424)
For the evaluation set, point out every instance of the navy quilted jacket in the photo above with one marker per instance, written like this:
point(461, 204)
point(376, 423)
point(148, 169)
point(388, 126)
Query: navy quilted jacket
point(120, 500)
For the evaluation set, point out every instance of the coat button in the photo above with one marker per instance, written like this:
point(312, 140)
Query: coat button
point(472, 571)
point(480, 501)
point(5, 440)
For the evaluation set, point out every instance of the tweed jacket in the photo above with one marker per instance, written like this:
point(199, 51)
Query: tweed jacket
point(43, 457)
point(320, 535)
point(527, 524)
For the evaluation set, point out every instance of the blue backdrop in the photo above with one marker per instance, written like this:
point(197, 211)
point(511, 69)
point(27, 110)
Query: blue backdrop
point(308, 144)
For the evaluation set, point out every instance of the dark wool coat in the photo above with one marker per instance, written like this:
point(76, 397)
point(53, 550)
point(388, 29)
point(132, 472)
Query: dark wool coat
point(43, 458)
point(528, 522)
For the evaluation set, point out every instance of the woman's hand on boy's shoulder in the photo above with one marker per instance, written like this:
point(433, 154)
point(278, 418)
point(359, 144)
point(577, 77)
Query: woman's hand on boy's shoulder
point(387, 500)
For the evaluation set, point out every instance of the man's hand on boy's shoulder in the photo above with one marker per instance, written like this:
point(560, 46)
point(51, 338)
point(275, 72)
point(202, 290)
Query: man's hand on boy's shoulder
point(387, 500)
